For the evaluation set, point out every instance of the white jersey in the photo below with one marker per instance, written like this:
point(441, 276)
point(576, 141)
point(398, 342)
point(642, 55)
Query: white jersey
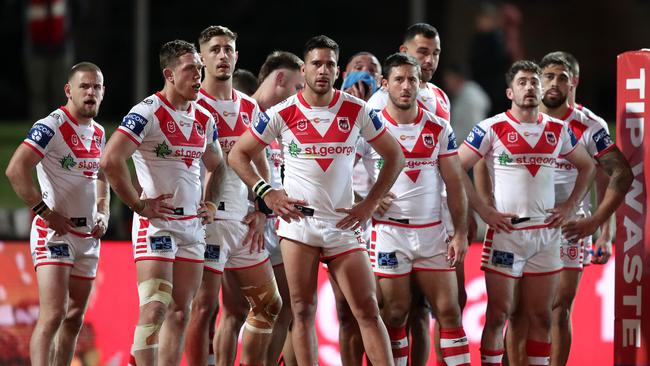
point(67, 173)
point(366, 175)
point(276, 160)
point(319, 147)
point(170, 146)
point(419, 185)
point(594, 136)
point(521, 159)
point(431, 98)
point(232, 117)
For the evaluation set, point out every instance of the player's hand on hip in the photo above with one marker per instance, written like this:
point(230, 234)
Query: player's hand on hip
point(497, 221)
point(59, 223)
point(559, 214)
point(356, 215)
point(602, 251)
point(456, 250)
point(579, 228)
point(255, 236)
point(206, 212)
point(157, 208)
point(283, 205)
point(385, 202)
point(101, 225)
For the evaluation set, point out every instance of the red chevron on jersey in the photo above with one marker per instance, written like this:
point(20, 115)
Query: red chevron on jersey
point(76, 145)
point(517, 144)
point(175, 136)
point(223, 128)
point(338, 130)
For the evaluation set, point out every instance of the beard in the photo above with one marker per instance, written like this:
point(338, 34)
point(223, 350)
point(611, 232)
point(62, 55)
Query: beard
point(402, 105)
point(553, 103)
point(527, 103)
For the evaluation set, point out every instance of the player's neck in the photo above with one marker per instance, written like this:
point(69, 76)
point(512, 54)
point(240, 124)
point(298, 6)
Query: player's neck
point(174, 98)
point(218, 89)
point(317, 100)
point(264, 97)
point(402, 116)
point(77, 117)
point(525, 115)
point(558, 112)
point(423, 84)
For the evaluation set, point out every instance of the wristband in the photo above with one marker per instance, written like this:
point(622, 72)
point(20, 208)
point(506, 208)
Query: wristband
point(261, 188)
point(40, 208)
point(262, 207)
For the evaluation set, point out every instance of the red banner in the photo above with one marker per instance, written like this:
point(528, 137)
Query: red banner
point(632, 329)
point(112, 313)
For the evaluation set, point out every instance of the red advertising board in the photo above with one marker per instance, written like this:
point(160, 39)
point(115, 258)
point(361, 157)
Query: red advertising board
point(632, 328)
point(112, 312)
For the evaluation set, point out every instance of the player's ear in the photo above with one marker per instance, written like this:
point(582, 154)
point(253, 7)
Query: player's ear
point(338, 71)
point(280, 78)
point(384, 83)
point(402, 48)
point(168, 74)
point(67, 89)
point(509, 93)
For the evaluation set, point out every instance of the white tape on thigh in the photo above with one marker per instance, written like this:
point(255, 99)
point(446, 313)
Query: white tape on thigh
point(155, 289)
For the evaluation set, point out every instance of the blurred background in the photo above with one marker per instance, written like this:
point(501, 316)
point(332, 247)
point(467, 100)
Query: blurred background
point(45, 37)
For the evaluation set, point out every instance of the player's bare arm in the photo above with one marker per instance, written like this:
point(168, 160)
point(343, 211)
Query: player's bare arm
point(113, 163)
point(451, 172)
point(215, 166)
point(586, 170)
point(493, 218)
point(394, 160)
point(614, 164)
point(19, 173)
point(103, 206)
point(240, 158)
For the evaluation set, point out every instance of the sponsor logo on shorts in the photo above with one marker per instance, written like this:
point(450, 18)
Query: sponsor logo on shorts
point(59, 251)
point(160, 244)
point(503, 259)
point(387, 260)
point(212, 252)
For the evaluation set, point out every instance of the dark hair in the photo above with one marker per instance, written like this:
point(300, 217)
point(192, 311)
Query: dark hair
point(573, 62)
point(321, 42)
point(556, 59)
point(360, 53)
point(244, 81)
point(521, 65)
point(278, 60)
point(172, 50)
point(83, 66)
point(425, 29)
point(399, 59)
point(215, 31)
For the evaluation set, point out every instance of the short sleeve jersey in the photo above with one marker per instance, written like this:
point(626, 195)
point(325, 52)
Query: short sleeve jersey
point(318, 145)
point(233, 117)
point(69, 166)
point(276, 160)
point(372, 163)
point(430, 97)
point(170, 143)
point(418, 187)
point(593, 135)
point(521, 158)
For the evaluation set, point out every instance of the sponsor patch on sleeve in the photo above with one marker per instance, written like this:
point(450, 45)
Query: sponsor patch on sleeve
point(134, 122)
point(602, 140)
point(40, 134)
point(215, 133)
point(475, 137)
point(261, 122)
point(452, 144)
point(574, 140)
point(375, 120)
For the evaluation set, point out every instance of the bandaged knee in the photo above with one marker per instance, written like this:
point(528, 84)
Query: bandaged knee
point(265, 303)
point(155, 289)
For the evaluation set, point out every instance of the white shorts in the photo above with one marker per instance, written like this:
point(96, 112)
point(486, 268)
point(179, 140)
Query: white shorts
point(272, 241)
point(445, 216)
point(572, 254)
point(399, 249)
point(168, 240)
point(80, 252)
point(224, 248)
point(333, 241)
point(523, 252)
point(588, 246)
